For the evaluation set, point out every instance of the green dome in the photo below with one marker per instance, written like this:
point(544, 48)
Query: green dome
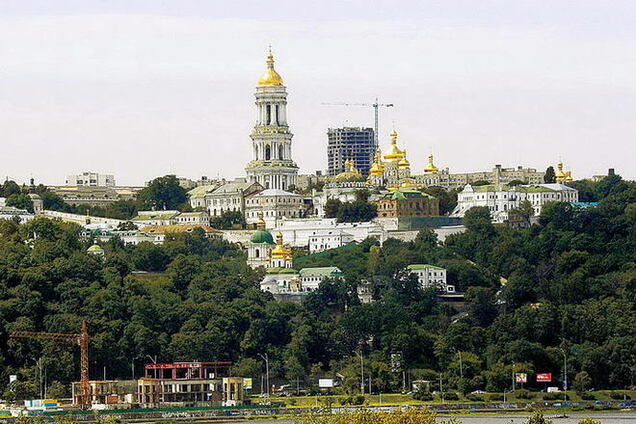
point(262, 237)
point(95, 249)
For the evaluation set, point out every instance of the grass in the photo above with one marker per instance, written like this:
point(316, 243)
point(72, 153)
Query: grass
point(402, 399)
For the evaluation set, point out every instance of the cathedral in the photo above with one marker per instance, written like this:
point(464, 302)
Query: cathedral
point(272, 165)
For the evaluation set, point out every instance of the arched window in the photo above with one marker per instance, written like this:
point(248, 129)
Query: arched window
point(257, 253)
point(268, 152)
point(280, 152)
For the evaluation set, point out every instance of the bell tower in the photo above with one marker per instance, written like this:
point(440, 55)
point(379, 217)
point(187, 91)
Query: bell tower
point(271, 165)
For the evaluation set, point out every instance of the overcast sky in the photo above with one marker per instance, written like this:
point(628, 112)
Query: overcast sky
point(144, 88)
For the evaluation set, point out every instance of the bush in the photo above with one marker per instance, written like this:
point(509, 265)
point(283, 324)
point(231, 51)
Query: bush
point(475, 398)
point(619, 396)
point(496, 398)
point(523, 394)
point(451, 396)
point(588, 396)
point(555, 396)
point(422, 395)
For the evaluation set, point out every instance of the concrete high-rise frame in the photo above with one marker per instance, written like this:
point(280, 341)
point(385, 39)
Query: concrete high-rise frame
point(350, 143)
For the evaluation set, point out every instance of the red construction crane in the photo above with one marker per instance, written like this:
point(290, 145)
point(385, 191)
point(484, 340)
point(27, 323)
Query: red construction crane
point(82, 341)
point(375, 105)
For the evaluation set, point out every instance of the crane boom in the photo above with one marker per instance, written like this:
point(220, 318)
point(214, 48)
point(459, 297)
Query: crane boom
point(374, 105)
point(82, 341)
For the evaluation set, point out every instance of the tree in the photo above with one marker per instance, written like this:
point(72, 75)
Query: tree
point(482, 305)
point(8, 188)
point(163, 193)
point(582, 382)
point(357, 211)
point(20, 201)
point(520, 216)
point(228, 220)
point(549, 177)
point(477, 219)
point(332, 207)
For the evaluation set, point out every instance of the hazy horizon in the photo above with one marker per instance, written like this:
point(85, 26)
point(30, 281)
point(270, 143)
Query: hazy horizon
point(141, 89)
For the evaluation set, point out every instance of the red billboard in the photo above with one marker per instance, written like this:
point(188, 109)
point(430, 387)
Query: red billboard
point(544, 377)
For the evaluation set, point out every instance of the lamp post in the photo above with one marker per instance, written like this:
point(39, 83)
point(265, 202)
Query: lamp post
point(565, 373)
point(266, 358)
point(361, 371)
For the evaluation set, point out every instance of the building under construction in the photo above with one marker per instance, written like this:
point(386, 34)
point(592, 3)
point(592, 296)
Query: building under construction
point(350, 143)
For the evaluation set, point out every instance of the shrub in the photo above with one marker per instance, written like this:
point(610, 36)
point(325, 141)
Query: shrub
point(588, 421)
point(555, 396)
point(523, 394)
point(588, 396)
point(422, 395)
point(451, 396)
point(475, 398)
point(619, 396)
point(496, 398)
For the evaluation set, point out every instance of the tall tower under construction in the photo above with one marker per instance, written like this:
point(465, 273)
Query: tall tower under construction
point(350, 143)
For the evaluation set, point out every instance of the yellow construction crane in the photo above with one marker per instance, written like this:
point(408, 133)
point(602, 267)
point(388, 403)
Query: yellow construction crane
point(375, 106)
point(82, 341)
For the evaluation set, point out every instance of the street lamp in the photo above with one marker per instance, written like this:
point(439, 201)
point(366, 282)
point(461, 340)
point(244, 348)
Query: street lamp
point(361, 371)
point(565, 373)
point(266, 359)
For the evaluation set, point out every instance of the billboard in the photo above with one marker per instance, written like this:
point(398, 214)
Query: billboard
point(521, 377)
point(325, 382)
point(13, 378)
point(544, 377)
point(247, 383)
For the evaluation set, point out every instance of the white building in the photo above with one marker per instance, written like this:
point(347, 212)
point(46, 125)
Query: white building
point(230, 197)
point(328, 239)
point(280, 281)
point(431, 276)
point(193, 218)
point(274, 205)
point(91, 179)
point(298, 232)
point(501, 199)
point(272, 165)
point(145, 218)
point(10, 213)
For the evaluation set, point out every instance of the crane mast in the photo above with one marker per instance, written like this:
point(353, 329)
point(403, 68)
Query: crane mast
point(376, 106)
point(81, 340)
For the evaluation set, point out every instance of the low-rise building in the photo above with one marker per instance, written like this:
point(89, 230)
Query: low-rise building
point(274, 205)
point(431, 276)
point(94, 196)
point(193, 218)
point(328, 239)
point(91, 179)
point(501, 199)
point(155, 218)
point(289, 284)
point(12, 213)
point(231, 196)
point(408, 203)
point(160, 232)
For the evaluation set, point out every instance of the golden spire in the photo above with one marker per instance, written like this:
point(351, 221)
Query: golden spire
point(260, 224)
point(378, 167)
point(280, 251)
point(270, 77)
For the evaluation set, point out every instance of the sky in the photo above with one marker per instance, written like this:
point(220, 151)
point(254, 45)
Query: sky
point(143, 88)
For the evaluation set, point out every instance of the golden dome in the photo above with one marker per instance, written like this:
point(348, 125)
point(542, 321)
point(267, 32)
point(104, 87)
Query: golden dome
point(561, 175)
point(351, 174)
point(280, 251)
point(377, 168)
point(430, 168)
point(395, 154)
point(270, 77)
point(404, 163)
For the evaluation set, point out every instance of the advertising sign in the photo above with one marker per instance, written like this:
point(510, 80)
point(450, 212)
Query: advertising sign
point(325, 382)
point(247, 383)
point(521, 377)
point(544, 377)
point(13, 378)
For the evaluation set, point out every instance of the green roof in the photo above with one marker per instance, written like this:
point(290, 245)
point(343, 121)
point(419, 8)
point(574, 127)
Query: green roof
point(278, 270)
point(95, 248)
point(262, 237)
point(201, 190)
point(416, 267)
point(325, 271)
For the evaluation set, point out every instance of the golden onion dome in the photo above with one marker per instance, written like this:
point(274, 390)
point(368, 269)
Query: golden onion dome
point(404, 163)
point(430, 168)
point(376, 169)
point(394, 154)
point(559, 171)
point(270, 77)
point(280, 251)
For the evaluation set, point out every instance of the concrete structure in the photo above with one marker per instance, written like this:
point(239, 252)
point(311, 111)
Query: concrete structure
point(91, 179)
point(83, 220)
point(160, 232)
point(272, 165)
point(350, 143)
point(193, 218)
point(155, 218)
point(291, 285)
point(12, 213)
point(431, 276)
point(297, 232)
point(233, 392)
point(107, 392)
point(328, 239)
point(498, 175)
point(184, 383)
point(501, 199)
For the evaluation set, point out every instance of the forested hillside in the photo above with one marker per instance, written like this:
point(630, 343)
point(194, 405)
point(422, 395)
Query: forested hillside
point(567, 285)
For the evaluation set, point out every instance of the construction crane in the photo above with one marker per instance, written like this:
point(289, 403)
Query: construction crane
point(375, 106)
point(82, 341)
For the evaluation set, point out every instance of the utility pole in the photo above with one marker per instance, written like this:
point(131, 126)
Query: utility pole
point(266, 358)
point(565, 373)
point(513, 377)
point(441, 388)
